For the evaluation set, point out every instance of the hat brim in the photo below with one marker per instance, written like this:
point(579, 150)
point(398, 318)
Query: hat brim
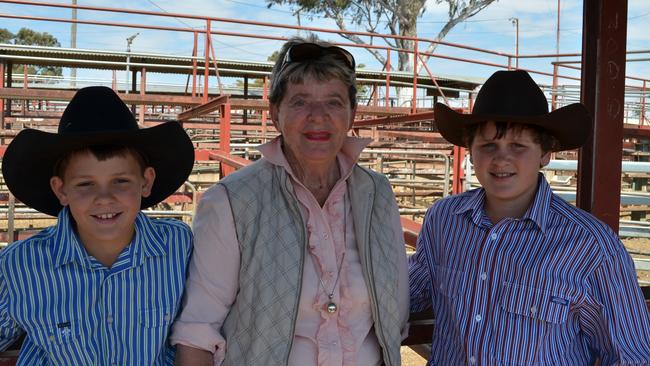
point(29, 160)
point(571, 124)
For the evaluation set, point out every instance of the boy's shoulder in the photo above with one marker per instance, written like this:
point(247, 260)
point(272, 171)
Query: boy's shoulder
point(454, 202)
point(169, 224)
point(171, 231)
point(577, 217)
point(572, 218)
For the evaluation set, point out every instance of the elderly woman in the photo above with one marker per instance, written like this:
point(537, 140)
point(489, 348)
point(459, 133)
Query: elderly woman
point(299, 257)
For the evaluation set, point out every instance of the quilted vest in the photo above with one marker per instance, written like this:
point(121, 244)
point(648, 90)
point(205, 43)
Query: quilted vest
point(272, 235)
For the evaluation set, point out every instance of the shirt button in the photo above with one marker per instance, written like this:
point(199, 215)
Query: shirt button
point(533, 310)
point(167, 317)
point(478, 318)
point(325, 236)
point(51, 338)
point(472, 360)
point(334, 343)
point(493, 236)
point(483, 276)
point(109, 319)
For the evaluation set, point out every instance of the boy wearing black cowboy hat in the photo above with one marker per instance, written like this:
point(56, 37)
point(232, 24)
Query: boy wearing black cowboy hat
point(513, 274)
point(103, 285)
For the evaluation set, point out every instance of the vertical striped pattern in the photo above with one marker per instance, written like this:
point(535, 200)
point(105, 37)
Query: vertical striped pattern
point(75, 311)
point(542, 290)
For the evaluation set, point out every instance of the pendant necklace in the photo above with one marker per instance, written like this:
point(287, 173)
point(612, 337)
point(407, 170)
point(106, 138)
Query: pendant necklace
point(331, 305)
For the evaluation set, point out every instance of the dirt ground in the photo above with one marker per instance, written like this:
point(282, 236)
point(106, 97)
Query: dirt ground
point(411, 358)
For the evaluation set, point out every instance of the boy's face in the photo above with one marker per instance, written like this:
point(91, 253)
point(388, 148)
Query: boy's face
point(103, 196)
point(508, 167)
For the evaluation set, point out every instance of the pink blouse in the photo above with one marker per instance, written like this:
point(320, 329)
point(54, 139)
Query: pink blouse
point(345, 337)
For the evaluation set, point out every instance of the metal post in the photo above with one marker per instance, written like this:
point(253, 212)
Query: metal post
point(557, 36)
point(192, 188)
point(143, 85)
point(387, 79)
point(129, 40)
point(554, 88)
point(515, 22)
point(459, 154)
point(207, 61)
point(194, 62)
point(458, 176)
point(224, 136)
point(602, 92)
point(73, 44)
point(245, 111)
point(134, 81)
point(9, 67)
point(25, 86)
point(415, 77)
point(446, 175)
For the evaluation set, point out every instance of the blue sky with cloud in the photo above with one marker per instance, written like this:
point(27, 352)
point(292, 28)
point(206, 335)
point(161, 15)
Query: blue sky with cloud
point(490, 29)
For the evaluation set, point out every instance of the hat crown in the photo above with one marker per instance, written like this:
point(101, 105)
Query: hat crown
point(511, 93)
point(108, 112)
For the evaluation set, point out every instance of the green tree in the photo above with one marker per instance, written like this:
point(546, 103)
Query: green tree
point(396, 17)
point(26, 36)
point(6, 36)
point(31, 37)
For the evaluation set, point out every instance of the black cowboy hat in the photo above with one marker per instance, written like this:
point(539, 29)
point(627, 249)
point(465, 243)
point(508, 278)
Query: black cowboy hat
point(95, 116)
point(513, 96)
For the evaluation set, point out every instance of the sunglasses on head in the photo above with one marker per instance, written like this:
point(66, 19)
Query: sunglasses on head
point(311, 51)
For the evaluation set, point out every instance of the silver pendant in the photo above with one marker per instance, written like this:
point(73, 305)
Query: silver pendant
point(331, 308)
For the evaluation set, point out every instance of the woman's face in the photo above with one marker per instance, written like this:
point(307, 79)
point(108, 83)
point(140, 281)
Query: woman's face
point(314, 118)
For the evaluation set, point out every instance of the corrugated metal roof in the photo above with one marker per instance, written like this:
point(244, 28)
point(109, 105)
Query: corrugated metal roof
point(175, 64)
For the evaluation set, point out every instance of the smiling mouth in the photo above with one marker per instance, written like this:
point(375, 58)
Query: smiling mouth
point(317, 136)
point(502, 175)
point(106, 216)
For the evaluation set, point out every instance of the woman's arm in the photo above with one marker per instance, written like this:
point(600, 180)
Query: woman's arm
point(213, 278)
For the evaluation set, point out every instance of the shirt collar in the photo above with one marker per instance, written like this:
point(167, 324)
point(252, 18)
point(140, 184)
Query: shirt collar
point(473, 205)
point(67, 247)
point(147, 241)
point(347, 157)
point(537, 212)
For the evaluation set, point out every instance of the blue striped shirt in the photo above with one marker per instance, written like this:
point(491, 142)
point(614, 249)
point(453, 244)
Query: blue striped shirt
point(555, 287)
point(76, 311)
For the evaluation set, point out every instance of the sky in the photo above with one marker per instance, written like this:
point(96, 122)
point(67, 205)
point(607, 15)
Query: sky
point(491, 29)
